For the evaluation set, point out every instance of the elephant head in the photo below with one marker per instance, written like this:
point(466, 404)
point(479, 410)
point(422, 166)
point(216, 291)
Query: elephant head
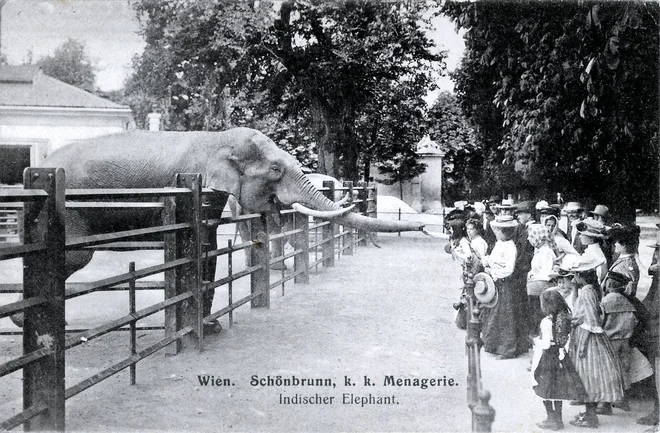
point(266, 177)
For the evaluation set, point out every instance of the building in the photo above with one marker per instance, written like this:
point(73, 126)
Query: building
point(39, 114)
point(424, 192)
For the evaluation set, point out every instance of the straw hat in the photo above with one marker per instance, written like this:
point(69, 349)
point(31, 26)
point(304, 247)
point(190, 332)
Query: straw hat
point(507, 203)
point(592, 228)
point(571, 264)
point(485, 290)
point(503, 221)
point(572, 206)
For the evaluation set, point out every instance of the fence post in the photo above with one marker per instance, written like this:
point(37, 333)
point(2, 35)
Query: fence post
point(349, 250)
point(301, 260)
point(260, 256)
point(329, 230)
point(189, 245)
point(169, 245)
point(43, 276)
point(363, 195)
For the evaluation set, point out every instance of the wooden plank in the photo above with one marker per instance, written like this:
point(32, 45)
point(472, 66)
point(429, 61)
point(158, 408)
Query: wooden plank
point(112, 205)
point(128, 246)
point(23, 195)
point(234, 276)
point(23, 417)
point(139, 285)
point(301, 261)
point(16, 251)
point(90, 334)
point(124, 193)
point(169, 250)
point(232, 306)
point(123, 278)
point(85, 241)
point(18, 306)
point(18, 363)
point(116, 368)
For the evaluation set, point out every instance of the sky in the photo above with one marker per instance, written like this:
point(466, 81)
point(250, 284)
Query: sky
point(110, 31)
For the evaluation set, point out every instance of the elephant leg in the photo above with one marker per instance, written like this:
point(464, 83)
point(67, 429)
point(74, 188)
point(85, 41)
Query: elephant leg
point(73, 260)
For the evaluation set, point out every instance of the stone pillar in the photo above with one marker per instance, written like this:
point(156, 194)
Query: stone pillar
point(154, 121)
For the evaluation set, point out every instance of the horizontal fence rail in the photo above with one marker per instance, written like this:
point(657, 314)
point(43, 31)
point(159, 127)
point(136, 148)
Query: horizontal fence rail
point(36, 216)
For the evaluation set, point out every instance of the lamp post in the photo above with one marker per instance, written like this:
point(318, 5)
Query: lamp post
point(482, 413)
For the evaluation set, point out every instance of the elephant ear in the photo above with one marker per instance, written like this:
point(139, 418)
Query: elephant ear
point(242, 155)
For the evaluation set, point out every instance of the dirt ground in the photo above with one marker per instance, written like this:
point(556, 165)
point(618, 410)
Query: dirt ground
point(380, 313)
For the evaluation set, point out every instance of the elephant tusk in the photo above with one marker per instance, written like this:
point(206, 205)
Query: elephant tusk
point(343, 200)
point(322, 214)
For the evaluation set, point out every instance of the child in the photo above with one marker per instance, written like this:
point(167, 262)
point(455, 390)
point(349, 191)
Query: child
point(619, 322)
point(554, 373)
point(590, 349)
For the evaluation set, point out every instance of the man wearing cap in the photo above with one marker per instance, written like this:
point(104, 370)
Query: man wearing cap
point(626, 242)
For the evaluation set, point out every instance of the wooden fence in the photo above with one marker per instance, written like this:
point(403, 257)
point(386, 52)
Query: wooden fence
point(42, 205)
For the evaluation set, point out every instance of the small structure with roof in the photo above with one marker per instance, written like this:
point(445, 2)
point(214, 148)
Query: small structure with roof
point(39, 114)
point(424, 192)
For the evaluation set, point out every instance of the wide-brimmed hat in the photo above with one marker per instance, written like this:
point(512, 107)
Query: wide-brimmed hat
point(507, 203)
point(553, 209)
point(561, 273)
point(572, 206)
point(592, 228)
point(600, 210)
point(627, 234)
point(485, 290)
point(503, 221)
point(571, 263)
point(526, 206)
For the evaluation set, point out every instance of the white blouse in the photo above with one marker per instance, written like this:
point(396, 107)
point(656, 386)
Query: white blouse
point(542, 262)
point(502, 259)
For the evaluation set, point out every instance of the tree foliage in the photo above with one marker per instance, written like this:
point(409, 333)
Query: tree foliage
point(566, 94)
point(336, 59)
point(310, 67)
point(70, 64)
point(462, 158)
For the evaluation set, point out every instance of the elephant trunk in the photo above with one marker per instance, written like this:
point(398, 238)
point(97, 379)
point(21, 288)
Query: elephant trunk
point(311, 197)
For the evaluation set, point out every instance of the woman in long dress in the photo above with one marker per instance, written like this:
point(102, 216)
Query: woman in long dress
point(504, 327)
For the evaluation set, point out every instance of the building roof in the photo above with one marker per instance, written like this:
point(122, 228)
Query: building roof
point(27, 86)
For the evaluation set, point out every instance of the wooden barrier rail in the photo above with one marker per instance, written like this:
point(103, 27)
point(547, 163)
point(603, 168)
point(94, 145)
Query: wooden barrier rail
point(43, 202)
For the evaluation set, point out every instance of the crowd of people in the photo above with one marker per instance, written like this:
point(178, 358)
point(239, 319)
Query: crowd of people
point(570, 296)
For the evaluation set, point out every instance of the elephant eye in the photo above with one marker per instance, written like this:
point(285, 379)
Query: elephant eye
point(276, 168)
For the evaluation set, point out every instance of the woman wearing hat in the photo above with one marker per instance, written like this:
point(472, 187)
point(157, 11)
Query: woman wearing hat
point(591, 232)
point(590, 349)
point(504, 325)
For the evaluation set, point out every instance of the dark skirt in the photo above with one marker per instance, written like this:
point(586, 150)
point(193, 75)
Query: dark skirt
point(557, 379)
point(505, 325)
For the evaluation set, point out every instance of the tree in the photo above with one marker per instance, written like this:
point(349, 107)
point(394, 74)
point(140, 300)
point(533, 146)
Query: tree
point(333, 58)
point(70, 64)
point(462, 160)
point(568, 93)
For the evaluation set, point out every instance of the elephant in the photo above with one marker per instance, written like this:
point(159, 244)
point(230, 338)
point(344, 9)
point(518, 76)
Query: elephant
point(241, 162)
point(283, 223)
